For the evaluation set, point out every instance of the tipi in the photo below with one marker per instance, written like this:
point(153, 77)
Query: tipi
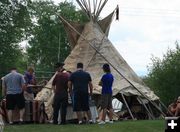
point(91, 46)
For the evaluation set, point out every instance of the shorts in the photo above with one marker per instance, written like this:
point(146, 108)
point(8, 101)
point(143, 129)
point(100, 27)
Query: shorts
point(80, 101)
point(13, 100)
point(106, 101)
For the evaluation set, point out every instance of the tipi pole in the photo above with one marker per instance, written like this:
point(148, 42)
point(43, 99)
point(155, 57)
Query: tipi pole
point(84, 3)
point(102, 6)
point(150, 109)
point(155, 105)
point(82, 7)
point(99, 5)
point(91, 17)
point(165, 107)
point(95, 6)
point(127, 106)
point(113, 66)
point(146, 108)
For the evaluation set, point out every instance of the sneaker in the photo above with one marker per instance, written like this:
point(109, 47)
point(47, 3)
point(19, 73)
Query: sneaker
point(10, 123)
point(110, 121)
point(101, 122)
point(90, 122)
point(80, 122)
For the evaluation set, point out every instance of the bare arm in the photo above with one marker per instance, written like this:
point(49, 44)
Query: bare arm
point(177, 109)
point(24, 86)
point(70, 87)
point(4, 89)
point(90, 87)
point(23, 83)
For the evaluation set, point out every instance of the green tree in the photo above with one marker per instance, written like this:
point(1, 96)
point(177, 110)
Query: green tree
point(48, 33)
point(14, 23)
point(164, 75)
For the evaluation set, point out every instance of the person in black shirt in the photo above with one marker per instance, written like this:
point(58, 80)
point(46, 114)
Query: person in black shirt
point(81, 82)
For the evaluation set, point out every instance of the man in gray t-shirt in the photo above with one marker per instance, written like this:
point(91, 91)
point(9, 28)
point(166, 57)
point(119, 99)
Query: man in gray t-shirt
point(14, 85)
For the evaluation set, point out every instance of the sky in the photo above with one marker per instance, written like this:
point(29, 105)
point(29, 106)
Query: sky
point(145, 28)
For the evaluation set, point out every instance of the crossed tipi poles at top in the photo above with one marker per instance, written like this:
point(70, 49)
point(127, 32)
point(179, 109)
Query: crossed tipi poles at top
point(92, 8)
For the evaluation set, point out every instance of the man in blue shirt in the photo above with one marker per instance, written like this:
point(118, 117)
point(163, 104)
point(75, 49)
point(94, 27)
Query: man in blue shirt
point(14, 86)
point(106, 97)
point(81, 82)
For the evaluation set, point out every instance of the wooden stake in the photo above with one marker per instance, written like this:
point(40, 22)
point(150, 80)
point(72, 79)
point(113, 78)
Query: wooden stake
point(146, 108)
point(165, 107)
point(127, 106)
point(150, 109)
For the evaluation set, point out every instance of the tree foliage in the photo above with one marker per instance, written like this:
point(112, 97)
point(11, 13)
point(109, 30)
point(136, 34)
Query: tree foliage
point(164, 75)
point(48, 36)
point(32, 21)
point(14, 23)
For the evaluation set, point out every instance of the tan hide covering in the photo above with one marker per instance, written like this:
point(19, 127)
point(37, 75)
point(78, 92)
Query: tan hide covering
point(93, 62)
point(46, 95)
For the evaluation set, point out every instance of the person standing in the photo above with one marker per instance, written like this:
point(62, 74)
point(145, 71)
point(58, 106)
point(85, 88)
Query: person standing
point(82, 85)
point(174, 108)
point(14, 87)
point(106, 97)
point(177, 113)
point(30, 77)
point(60, 86)
point(30, 81)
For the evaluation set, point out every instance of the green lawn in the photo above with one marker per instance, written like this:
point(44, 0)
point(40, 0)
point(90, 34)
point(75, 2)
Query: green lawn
point(121, 126)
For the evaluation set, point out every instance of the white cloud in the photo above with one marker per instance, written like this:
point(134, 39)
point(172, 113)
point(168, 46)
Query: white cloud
point(137, 37)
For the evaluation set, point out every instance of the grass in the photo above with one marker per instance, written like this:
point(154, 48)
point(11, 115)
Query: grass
point(121, 126)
